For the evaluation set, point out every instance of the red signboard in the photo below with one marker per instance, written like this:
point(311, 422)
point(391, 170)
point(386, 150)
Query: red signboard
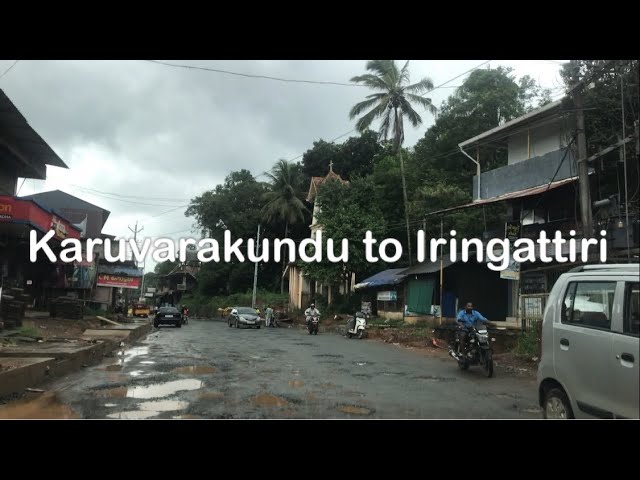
point(106, 280)
point(14, 210)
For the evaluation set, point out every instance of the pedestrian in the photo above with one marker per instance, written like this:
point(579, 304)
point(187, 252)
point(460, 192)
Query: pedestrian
point(268, 314)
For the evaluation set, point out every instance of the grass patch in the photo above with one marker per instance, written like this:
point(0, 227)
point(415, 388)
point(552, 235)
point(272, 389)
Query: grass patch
point(29, 332)
point(527, 344)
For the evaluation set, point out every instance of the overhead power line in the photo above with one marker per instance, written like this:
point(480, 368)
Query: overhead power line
point(248, 75)
point(8, 69)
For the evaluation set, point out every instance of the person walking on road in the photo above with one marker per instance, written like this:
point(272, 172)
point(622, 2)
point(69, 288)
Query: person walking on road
point(268, 315)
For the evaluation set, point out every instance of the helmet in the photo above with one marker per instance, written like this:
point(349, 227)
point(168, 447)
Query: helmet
point(312, 305)
point(360, 315)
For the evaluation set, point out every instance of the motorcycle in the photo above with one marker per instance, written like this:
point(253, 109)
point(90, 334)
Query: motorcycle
point(312, 324)
point(185, 319)
point(479, 350)
point(357, 326)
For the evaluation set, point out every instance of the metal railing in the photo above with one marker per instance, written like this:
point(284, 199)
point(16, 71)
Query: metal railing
point(532, 308)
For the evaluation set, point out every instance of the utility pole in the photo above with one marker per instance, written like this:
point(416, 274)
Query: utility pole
point(135, 234)
point(626, 183)
point(255, 271)
point(442, 265)
point(583, 165)
point(135, 239)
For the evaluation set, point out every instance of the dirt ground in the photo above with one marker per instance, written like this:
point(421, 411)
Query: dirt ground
point(59, 328)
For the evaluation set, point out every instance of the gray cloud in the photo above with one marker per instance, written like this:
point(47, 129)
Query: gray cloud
point(138, 128)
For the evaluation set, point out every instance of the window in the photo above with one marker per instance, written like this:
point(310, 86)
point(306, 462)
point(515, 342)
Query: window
point(632, 308)
point(589, 304)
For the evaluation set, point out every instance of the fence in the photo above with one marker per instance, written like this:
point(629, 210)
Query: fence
point(532, 308)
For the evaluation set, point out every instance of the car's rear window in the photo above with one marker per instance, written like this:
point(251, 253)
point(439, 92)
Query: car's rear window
point(168, 310)
point(247, 311)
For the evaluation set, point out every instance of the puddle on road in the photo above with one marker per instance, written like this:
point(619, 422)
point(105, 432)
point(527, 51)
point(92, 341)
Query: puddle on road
point(150, 409)
point(45, 407)
point(268, 400)
point(135, 352)
point(195, 370)
point(163, 406)
point(110, 405)
point(132, 415)
point(148, 362)
point(136, 373)
point(354, 410)
point(113, 368)
point(211, 396)
point(160, 390)
point(296, 383)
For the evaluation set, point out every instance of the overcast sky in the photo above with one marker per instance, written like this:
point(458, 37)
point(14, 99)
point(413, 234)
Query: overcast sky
point(141, 131)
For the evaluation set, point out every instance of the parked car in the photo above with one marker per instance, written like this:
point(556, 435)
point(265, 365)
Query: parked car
point(590, 344)
point(244, 316)
point(168, 315)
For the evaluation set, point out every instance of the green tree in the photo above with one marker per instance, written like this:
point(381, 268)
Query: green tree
point(346, 212)
point(392, 103)
point(284, 200)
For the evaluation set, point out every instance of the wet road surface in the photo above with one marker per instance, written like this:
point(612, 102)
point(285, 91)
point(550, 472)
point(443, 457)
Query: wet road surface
point(207, 370)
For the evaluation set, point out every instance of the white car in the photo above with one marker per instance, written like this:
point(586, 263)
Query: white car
point(590, 345)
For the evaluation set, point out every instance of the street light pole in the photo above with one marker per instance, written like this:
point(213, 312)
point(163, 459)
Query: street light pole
point(255, 270)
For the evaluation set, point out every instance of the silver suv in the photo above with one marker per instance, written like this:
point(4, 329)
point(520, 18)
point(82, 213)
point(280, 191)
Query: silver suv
point(590, 346)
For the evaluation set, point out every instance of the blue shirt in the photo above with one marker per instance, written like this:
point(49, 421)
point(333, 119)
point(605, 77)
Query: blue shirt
point(470, 319)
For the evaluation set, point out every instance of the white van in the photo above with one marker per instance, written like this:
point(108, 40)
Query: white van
point(590, 347)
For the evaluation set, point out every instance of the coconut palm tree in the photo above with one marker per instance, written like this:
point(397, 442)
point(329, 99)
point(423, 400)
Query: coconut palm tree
point(284, 200)
point(392, 103)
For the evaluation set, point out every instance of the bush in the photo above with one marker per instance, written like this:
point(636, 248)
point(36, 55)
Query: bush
point(527, 344)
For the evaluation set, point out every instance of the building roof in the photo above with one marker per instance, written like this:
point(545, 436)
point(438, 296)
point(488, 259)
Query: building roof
point(384, 278)
point(64, 201)
point(499, 132)
point(21, 138)
point(428, 266)
point(316, 183)
point(527, 192)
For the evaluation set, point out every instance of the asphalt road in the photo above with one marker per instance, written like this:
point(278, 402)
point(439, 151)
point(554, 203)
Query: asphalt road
point(207, 370)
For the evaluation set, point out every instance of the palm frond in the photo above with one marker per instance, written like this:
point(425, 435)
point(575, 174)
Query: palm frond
point(387, 70)
point(410, 113)
point(423, 102)
point(371, 81)
point(361, 106)
point(404, 73)
point(365, 121)
point(423, 86)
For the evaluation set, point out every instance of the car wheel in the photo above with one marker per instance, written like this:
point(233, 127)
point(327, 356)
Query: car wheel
point(258, 327)
point(179, 324)
point(229, 323)
point(237, 324)
point(556, 405)
point(156, 324)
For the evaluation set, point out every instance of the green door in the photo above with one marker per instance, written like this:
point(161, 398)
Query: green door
point(420, 295)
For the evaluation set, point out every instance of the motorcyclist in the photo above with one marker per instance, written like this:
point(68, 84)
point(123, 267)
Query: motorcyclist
point(185, 312)
point(311, 312)
point(466, 319)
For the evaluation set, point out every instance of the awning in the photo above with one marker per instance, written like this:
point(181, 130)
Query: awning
point(428, 267)
point(381, 279)
point(528, 192)
point(20, 137)
point(18, 211)
point(121, 270)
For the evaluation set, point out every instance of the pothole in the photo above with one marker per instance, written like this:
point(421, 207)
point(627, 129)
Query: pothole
point(434, 378)
point(211, 395)
point(268, 400)
point(354, 410)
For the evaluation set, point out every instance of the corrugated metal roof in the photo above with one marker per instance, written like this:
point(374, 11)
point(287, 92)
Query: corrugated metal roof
point(527, 192)
point(120, 270)
point(17, 130)
point(428, 267)
point(387, 277)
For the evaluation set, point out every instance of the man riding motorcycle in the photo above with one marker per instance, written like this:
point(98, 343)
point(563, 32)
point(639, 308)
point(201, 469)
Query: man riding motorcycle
point(467, 318)
point(311, 312)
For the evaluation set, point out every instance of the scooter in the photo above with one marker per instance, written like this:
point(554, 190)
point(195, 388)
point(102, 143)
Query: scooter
point(312, 324)
point(357, 326)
